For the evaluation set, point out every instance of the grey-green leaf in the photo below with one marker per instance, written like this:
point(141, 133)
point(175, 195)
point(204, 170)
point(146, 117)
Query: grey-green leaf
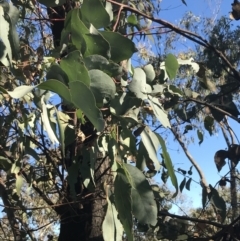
point(150, 73)
point(123, 201)
point(102, 86)
point(138, 84)
point(159, 112)
point(171, 65)
point(143, 202)
point(169, 165)
point(151, 143)
point(81, 95)
point(111, 227)
point(200, 137)
point(182, 184)
point(208, 124)
point(218, 202)
point(188, 184)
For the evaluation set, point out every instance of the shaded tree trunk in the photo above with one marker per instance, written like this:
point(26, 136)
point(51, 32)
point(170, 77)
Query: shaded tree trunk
point(83, 221)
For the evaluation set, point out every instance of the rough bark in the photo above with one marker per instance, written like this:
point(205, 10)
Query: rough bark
point(83, 221)
point(17, 234)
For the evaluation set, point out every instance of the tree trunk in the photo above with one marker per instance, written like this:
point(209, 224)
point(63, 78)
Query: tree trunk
point(233, 190)
point(83, 221)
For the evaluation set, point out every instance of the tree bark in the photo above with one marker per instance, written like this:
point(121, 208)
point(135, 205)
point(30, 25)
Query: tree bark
point(17, 233)
point(83, 221)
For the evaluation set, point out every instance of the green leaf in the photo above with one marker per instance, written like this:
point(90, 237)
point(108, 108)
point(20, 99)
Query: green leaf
point(182, 184)
point(115, 40)
point(101, 63)
point(174, 90)
point(96, 44)
point(171, 65)
point(231, 108)
point(5, 163)
point(102, 86)
point(168, 163)
point(73, 172)
point(87, 43)
point(190, 171)
point(57, 87)
point(184, 112)
point(81, 95)
point(184, 172)
point(123, 201)
point(187, 128)
point(62, 120)
point(142, 157)
point(151, 143)
point(56, 72)
point(200, 137)
point(121, 104)
point(132, 19)
point(87, 167)
point(128, 141)
point(208, 124)
point(19, 183)
point(92, 11)
point(75, 28)
point(218, 202)
point(143, 203)
point(188, 184)
point(111, 227)
point(74, 67)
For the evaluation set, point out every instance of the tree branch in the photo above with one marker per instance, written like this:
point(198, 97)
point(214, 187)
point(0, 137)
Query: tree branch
point(10, 212)
point(191, 159)
point(188, 34)
point(213, 107)
point(219, 225)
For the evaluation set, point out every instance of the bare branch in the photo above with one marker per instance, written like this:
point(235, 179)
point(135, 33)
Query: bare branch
point(219, 225)
point(191, 159)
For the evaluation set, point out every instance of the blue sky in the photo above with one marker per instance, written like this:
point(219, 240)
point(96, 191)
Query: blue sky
point(173, 11)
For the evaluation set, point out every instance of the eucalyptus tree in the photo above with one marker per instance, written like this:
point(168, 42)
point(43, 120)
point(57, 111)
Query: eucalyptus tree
point(73, 121)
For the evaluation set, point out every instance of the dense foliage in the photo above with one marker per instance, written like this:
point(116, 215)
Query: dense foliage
point(83, 129)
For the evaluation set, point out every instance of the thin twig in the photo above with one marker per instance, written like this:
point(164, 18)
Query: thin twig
point(118, 18)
